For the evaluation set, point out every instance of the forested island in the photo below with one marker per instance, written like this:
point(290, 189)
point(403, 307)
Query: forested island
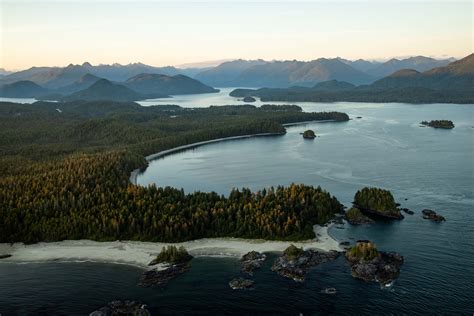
point(65, 175)
point(446, 124)
point(309, 134)
point(371, 265)
point(175, 261)
point(377, 202)
point(358, 94)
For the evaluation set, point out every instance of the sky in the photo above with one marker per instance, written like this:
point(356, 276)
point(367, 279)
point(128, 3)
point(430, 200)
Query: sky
point(159, 33)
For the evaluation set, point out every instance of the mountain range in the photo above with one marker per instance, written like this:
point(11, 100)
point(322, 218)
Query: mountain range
point(149, 81)
point(281, 74)
point(452, 83)
point(90, 87)
point(243, 73)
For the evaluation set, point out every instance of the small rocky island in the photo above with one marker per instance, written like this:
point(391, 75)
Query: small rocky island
point(241, 283)
point(249, 99)
point(295, 262)
point(446, 124)
point(430, 214)
point(378, 203)
point(371, 265)
point(252, 261)
point(355, 217)
point(176, 262)
point(122, 308)
point(309, 134)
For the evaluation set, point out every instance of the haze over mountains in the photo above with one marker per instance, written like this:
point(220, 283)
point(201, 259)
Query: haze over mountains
point(453, 83)
point(151, 82)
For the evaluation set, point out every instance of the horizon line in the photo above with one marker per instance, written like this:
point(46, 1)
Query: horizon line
point(224, 60)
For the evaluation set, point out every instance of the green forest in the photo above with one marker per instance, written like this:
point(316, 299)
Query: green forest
point(378, 201)
point(65, 171)
point(359, 94)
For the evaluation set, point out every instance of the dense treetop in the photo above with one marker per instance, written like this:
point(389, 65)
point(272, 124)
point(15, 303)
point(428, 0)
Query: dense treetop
point(65, 167)
point(439, 124)
point(363, 250)
point(172, 254)
point(377, 201)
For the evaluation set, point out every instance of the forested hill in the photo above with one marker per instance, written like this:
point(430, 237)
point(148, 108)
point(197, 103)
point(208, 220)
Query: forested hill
point(448, 84)
point(65, 167)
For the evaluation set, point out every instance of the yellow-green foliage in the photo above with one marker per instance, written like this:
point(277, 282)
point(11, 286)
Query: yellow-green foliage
point(364, 250)
point(376, 199)
point(172, 254)
point(309, 134)
point(354, 214)
point(293, 252)
point(66, 175)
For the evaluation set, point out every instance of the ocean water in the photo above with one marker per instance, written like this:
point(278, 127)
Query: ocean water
point(423, 167)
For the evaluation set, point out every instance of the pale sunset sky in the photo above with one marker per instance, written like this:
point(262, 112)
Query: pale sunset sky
point(159, 33)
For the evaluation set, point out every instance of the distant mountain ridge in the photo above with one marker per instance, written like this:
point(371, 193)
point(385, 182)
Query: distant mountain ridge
point(22, 89)
point(260, 73)
point(250, 73)
point(57, 77)
point(452, 83)
point(103, 89)
point(90, 87)
point(281, 74)
point(149, 80)
point(168, 85)
point(418, 63)
point(458, 75)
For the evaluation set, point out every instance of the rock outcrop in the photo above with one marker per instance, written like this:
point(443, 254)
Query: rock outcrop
point(252, 261)
point(119, 308)
point(371, 265)
point(430, 214)
point(295, 264)
point(241, 283)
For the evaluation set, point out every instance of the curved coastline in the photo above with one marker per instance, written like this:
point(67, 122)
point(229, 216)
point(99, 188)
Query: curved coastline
point(134, 173)
point(139, 253)
point(163, 153)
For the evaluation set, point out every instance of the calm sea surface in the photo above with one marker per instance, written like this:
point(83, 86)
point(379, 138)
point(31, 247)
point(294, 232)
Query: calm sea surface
point(423, 167)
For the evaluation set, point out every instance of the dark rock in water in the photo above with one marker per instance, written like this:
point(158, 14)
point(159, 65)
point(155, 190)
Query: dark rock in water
point(359, 117)
point(249, 99)
point(382, 267)
point(329, 290)
point(122, 308)
point(5, 256)
point(296, 267)
point(407, 211)
point(430, 214)
point(252, 261)
point(241, 283)
point(161, 277)
point(345, 243)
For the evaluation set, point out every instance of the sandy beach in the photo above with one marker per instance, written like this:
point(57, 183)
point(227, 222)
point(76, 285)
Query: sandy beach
point(141, 253)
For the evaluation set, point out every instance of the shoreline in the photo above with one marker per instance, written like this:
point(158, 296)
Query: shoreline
point(163, 153)
point(139, 254)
